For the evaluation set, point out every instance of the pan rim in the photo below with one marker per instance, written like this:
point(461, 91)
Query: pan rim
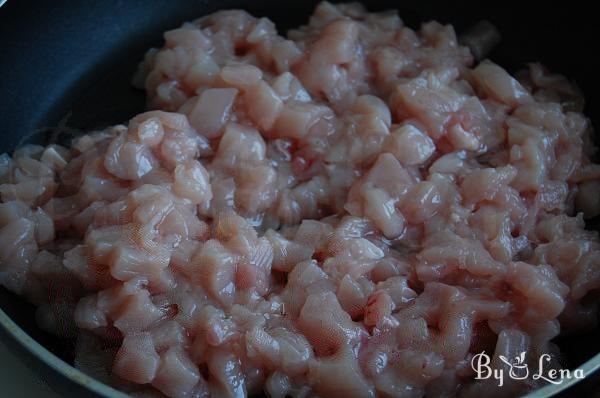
point(54, 362)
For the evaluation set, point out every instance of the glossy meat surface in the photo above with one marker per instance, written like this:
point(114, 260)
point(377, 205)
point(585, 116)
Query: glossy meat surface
point(355, 209)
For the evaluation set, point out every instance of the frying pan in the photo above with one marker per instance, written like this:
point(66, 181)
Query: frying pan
point(65, 65)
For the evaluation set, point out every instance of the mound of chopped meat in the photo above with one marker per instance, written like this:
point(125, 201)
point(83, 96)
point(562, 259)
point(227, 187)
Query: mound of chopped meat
point(352, 211)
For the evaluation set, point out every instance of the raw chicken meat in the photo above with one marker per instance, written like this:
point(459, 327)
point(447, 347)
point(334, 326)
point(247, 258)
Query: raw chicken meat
point(353, 210)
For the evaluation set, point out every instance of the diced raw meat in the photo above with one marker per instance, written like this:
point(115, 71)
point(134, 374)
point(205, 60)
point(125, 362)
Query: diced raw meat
point(354, 209)
point(137, 360)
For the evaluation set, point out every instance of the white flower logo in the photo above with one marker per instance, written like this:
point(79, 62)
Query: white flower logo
point(518, 370)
